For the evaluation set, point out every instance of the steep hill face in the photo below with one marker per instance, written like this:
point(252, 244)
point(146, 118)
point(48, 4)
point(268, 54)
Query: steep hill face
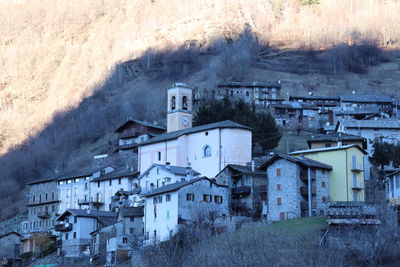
point(70, 71)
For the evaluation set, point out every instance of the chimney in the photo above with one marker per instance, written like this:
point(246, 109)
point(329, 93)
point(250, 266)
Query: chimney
point(252, 166)
point(168, 165)
point(88, 211)
point(189, 173)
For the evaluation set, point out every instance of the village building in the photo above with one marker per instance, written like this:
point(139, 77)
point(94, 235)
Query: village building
point(248, 189)
point(133, 132)
point(383, 102)
point(160, 175)
point(43, 208)
point(336, 139)
point(258, 93)
point(346, 181)
point(113, 244)
point(208, 147)
point(10, 249)
point(292, 114)
point(297, 187)
point(175, 205)
point(75, 226)
point(392, 186)
point(125, 198)
point(319, 101)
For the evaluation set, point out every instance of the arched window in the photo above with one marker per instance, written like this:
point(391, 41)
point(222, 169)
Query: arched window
point(173, 103)
point(206, 151)
point(184, 103)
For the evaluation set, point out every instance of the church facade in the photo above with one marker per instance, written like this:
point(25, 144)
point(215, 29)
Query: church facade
point(207, 148)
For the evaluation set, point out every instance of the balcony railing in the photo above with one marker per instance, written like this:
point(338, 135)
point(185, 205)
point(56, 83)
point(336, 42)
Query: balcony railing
point(241, 190)
point(97, 201)
point(83, 202)
point(43, 215)
point(65, 227)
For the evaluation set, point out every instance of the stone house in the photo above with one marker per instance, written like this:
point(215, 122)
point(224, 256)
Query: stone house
point(248, 189)
point(319, 101)
point(75, 226)
point(208, 147)
point(295, 114)
point(113, 244)
point(383, 102)
point(10, 249)
point(346, 181)
point(297, 187)
point(160, 175)
point(124, 198)
point(174, 205)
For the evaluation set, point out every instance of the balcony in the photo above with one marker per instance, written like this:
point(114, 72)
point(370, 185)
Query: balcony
point(241, 190)
point(97, 202)
point(304, 205)
point(83, 202)
point(304, 190)
point(43, 215)
point(263, 189)
point(65, 227)
point(356, 167)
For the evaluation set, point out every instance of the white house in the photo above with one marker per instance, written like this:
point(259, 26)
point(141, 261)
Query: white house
point(75, 227)
point(172, 205)
point(159, 175)
point(207, 148)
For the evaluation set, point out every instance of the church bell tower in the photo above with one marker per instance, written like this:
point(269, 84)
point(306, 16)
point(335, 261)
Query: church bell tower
point(179, 107)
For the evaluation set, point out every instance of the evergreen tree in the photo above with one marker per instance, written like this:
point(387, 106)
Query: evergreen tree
point(266, 134)
point(383, 153)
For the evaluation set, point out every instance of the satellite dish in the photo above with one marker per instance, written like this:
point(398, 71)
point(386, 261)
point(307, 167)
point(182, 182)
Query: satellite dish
point(66, 225)
point(353, 92)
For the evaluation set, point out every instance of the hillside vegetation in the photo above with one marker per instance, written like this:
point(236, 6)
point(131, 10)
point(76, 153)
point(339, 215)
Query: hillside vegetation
point(70, 71)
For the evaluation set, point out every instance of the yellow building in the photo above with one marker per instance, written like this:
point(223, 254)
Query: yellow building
point(347, 175)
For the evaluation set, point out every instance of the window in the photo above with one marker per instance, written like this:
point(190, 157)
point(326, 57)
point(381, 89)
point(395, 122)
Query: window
point(66, 236)
point(323, 184)
point(61, 183)
point(75, 191)
point(278, 171)
point(45, 197)
point(69, 181)
point(155, 200)
point(87, 178)
point(68, 193)
point(207, 198)
point(184, 103)
point(132, 219)
point(218, 199)
point(278, 187)
point(279, 201)
point(247, 93)
point(397, 181)
point(206, 151)
point(173, 102)
point(159, 155)
point(110, 182)
point(159, 199)
point(77, 180)
point(86, 186)
point(125, 240)
point(328, 145)
point(33, 198)
point(190, 197)
point(98, 184)
point(74, 235)
point(75, 219)
point(168, 198)
point(132, 231)
point(52, 195)
point(119, 181)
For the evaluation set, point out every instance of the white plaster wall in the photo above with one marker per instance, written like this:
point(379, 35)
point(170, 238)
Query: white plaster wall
point(152, 177)
point(236, 146)
point(107, 191)
point(71, 202)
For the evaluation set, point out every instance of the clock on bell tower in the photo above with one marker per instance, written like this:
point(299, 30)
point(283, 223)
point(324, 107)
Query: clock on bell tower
point(179, 107)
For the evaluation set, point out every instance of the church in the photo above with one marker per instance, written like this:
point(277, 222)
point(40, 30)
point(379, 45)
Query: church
point(206, 148)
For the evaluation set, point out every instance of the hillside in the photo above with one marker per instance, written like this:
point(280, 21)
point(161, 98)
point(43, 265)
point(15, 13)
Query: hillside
point(70, 71)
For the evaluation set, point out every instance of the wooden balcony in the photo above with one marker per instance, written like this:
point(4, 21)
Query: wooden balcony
point(304, 205)
point(97, 202)
point(65, 227)
point(241, 191)
point(83, 202)
point(43, 215)
point(304, 190)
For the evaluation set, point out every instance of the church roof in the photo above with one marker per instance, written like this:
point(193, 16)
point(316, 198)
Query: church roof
point(205, 127)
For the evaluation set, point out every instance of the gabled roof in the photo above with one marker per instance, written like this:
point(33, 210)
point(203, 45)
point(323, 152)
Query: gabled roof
point(131, 211)
point(205, 127)
point(77, 173)
point(305, 162)
point(88, 213)
point(43, 180)
point(178, 170)
point(118, 173)
point(337, 137)
point(361, 98)
point(327, 149)
point(178, 185)
point(250, 84)
point(389, 123)
point(314, 97)
point(144, 123)
point(243, 169)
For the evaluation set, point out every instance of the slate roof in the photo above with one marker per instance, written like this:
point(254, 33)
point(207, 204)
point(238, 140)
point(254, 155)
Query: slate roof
point(177, 186)
point(306, 162)
point(118, 173)
point(76, 173)
point(205, 127)
point(144, 123)
point(327, 149)
point(367, 98)
point(295, 105)
point(43, 180)
point(249, 84)
point(132, 211)
point(245, 169)
point(313, 97)
point(336, 137)
point(389, 123)
point(131, 192)
point(93, 214)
